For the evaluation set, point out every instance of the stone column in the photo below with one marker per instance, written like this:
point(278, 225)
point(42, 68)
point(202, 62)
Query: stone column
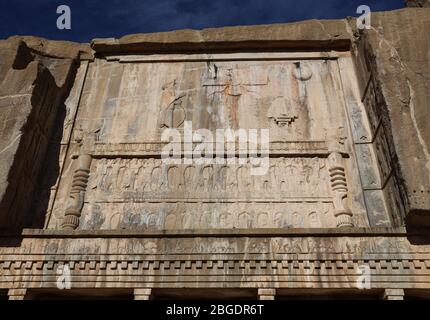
point(75, 202)
point(266, 294)
point(335, 141)
point(17, 294)
point(394, 294)
point(142, 294)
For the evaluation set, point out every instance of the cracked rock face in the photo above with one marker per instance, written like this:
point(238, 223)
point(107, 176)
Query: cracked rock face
point(35, 76)
point(397, 50)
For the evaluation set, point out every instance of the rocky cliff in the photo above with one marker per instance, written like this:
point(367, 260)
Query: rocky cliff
point(392, 60)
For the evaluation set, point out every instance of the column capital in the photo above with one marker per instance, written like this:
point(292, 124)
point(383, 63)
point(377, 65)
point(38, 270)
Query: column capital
point(394, 294)
point(266, 294)
point(17, 294)
point(142, 294)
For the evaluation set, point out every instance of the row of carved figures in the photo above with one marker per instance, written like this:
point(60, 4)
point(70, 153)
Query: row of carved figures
point(174, 173)
point(284, 175)
point(195, 216)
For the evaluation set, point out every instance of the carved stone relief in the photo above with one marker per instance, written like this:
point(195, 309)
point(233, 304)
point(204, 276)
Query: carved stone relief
point(350, 246)
point(75, 202)
point(281, 112)
point(120, 178)
point(310, 180)
point(193, 215)
point(288, 97)
point(335, 138)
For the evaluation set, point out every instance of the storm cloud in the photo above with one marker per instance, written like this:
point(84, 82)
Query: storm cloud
point(115, 18)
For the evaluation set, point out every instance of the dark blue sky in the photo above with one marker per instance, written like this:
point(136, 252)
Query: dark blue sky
point(115, 18)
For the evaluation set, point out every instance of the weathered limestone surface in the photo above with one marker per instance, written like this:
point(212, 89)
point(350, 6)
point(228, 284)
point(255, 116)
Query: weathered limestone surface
point(330, 34)
point(397, 51)
point(35, 76)
point(397, 57)
point(418, 3)
point(129, 187)
point(80, 159)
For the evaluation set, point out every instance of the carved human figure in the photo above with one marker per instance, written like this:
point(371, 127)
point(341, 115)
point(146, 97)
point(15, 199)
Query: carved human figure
point(186, 219)
point(291, 172)
point(231, 178)
point(207, 177)
point(114, 220)
point(189, 178)
point(244, 220)
point(307, 172)
point(173, 176)
point(298, 220)
point(131, 218)
point(151, 220)
point(258, 182)
point(282, 174)
point(170, 221)
point(244, 178)
point(106, 180)
point(319, 178)
point(207, 220)
point(226, 220)
point(220, 182)
point(150, 247)
point(121, 178)
point(173, 116)
point(96, 178)
point(144, 177)
point(263, 220)
point(272, 182)
point(159, 177)
point(313, 219)
point(280, 220)
point(134, 169)
point(156, 179)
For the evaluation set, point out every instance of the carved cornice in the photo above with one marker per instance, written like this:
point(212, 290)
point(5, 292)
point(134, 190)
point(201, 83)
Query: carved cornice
point(282, 272)
point(298, 260)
